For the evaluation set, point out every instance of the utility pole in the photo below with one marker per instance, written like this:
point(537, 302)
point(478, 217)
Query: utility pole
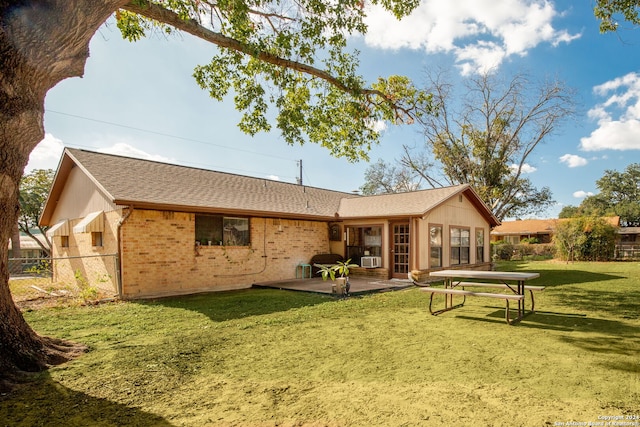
point(300, 177)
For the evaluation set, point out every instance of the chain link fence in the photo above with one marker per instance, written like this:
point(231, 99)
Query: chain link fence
point(84, 279)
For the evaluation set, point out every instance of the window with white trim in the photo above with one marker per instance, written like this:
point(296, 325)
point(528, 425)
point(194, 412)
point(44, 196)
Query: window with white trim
point(479, 245)
point(459, 245)
point(218, 230)
point(435, 246)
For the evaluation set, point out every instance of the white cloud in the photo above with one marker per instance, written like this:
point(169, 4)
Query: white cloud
point(573, 161)
point(46, 155)
point(123, 149)
point(273, 177)
point(526, 168)
point(618, 116)
point(378, 126)
point(582, 194)
point(613, 135)
point(481, 34)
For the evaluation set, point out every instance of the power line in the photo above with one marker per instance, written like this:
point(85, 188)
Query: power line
point(184, 139)
point(167, 135)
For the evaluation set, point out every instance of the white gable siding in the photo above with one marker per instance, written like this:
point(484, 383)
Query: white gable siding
point(79, 198)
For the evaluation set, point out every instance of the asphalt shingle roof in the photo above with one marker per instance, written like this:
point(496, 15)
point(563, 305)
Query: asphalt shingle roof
point(154, 185)
point(538, 226)
point(526, 226)
point(415, 203)
point(142, 182)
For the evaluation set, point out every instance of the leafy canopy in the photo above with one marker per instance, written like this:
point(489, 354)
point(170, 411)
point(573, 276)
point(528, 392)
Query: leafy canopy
point(292, 56)
point(619, 196)
point(609, 11)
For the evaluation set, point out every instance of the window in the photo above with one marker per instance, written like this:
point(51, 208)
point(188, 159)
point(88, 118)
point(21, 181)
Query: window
point(364, 241)
point(512, 240)
point(222, 230)
point(435, 246)
point(459, 242)
point(96, 238)
point(64, 241)
point(480, 245)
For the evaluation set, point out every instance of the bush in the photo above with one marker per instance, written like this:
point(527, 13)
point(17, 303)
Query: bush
point(502, 251)
point(508, 252)
point(585, 239)
point(530, 240)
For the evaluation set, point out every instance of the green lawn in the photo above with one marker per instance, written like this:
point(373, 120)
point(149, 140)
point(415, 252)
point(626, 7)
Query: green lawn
point(278, 358)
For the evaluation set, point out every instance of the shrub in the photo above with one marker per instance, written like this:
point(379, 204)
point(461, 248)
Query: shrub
point(502, 251)
point(585, 239)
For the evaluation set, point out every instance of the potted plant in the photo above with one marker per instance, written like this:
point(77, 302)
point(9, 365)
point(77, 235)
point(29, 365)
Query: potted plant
point(341, 268)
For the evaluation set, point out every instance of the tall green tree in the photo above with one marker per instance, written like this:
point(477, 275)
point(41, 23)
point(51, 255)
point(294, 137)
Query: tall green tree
point(290, 55)
point(34, 189)
point(568, 211)
point(619, 196)
point(485, 135)
point(567, 236)
point(621, 192)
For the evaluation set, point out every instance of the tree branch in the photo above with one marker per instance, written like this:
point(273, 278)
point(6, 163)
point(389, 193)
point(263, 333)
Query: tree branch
point(158, 13)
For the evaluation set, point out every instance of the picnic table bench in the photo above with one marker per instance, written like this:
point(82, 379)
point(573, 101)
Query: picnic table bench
point(464, 294)
point(501, 281)
point(529, 288)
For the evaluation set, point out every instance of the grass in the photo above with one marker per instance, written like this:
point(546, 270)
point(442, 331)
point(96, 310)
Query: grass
point(278, 358)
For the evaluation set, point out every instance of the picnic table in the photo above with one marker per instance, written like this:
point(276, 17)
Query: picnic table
point(507, 281)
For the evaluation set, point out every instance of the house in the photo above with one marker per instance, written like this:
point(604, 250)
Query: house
point(29, 248)
point(31, 254)
point(514, 232)
point(140, 229)
point(628, 243)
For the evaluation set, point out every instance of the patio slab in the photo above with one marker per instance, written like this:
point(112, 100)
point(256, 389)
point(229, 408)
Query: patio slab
point(359, 285)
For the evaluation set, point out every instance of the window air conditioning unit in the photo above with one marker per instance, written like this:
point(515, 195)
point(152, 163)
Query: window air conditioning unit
point(371, 261)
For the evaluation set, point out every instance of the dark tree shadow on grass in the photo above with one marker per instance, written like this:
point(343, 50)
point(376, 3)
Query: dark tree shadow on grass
point(565, 322)
point(625, 305)
point(230, 305)
point(605, 336)
point(44, 402)
point(559, 277)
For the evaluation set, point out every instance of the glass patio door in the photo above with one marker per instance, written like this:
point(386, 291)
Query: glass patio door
point(400, 250)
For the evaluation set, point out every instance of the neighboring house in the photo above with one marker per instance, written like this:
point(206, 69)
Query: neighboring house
point(628, 244)
point(148, 229)
point(514, 232)
point(31, 254)
point(29, 248)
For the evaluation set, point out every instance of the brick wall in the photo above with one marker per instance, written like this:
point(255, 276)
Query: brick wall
point(83, 264)
point(377, 273)
point(159, 255)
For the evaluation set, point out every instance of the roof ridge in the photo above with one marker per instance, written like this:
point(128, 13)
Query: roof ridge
point(157, 162)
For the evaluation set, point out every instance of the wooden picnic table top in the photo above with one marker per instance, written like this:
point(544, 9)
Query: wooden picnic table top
point(481, 274)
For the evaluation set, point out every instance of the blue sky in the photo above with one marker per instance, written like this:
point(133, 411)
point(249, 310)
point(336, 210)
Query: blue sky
point(140, 99)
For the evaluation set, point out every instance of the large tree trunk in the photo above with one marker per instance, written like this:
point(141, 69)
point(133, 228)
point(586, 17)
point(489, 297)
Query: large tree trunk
point(41, 43)
point(16, 250)
point(15, 265)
